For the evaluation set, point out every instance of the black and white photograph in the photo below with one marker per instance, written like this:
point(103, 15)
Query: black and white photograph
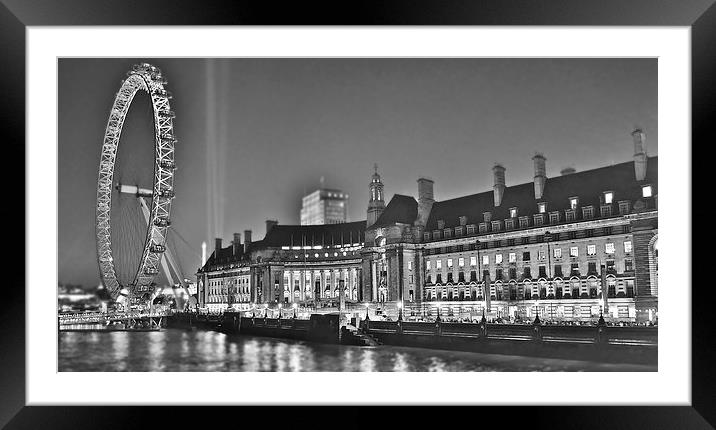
point(235, 205)
point(357, 214)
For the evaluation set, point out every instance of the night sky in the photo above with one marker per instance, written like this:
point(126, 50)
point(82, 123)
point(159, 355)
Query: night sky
point(287, 122)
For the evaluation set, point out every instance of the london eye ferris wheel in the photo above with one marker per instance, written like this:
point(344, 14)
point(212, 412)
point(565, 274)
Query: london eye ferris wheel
point(134, 197)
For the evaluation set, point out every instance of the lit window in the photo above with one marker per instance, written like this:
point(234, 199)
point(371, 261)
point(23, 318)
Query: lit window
point(541, 255)
point(429, 264)
point(461, 262)
point(473, 261)
point(574, 251)
point(410, 264)
point(513, 212)
point(449, 262)
point(646, 191)
point(609, 248)
point(542, 207)
point(627, 246)
point(608, 196)
point(498, 258)
point(557, 252)
point(573, 202)
point(591, 249)
point(512, 257)
point(485, 259)
point(438, 264)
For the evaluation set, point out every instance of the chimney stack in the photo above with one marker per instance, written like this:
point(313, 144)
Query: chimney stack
point(269, 224)
point(567, 171)
point(426, 199)
point(236, 243)
point(217, 247)
point(540, 174)
point(499, 188)
point(639, 154)
point(247, 240)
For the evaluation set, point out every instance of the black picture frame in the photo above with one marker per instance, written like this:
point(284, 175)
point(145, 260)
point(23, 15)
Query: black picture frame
point(16, 15)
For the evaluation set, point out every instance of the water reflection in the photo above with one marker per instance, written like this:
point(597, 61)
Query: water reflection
point(190, 351)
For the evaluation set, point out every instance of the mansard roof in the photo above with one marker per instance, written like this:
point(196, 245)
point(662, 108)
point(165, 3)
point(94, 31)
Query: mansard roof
point(401, 209)
point(588, 186)
point(313, 235)
point(294, 235)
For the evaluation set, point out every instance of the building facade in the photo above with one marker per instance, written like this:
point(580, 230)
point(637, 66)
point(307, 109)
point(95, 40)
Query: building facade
point(569, 247)
point(316, 266)
point(324, 206)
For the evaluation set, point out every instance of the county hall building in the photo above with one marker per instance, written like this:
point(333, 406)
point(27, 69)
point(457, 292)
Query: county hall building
point(569, 247)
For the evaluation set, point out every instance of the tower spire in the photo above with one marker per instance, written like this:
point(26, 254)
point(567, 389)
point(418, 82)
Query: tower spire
point(376, 202)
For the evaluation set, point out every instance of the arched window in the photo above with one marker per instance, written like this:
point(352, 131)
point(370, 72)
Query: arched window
point(576, 285)
point(559, 288)
point(593, 286)
point(611, 286)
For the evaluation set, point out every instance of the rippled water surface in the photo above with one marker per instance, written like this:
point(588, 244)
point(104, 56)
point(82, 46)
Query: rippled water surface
point(174, 350)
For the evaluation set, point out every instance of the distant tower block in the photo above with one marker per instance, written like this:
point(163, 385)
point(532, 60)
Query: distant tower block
point(376, 201)
point(324, 206)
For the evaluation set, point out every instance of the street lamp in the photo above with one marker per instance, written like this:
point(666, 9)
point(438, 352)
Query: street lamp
point(266, 310)
point(400, 311)
point(279, 310)
point(295, 307)
point(367, 305)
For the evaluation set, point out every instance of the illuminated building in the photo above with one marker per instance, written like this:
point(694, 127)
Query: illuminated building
point(324, 206)
point(567, 247)
point(312, 265)
point(551, 247)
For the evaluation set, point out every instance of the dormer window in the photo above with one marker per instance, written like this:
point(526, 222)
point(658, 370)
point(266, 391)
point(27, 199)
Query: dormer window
point(496, 225)
point(447, 233)
point(569, 215)
point(554, 217)
point(426, 236)
point(606, 210)
point(624, 207)
point(463, 220)
point(487, 216)
point(588, 212)
point(524, 222)
point(459, 230)
point(441, 224)
point(646, 191)
point(542, 207)
point(608, 197)
point(509, 224)
point(539, 219)
point(513, 212)
point(573, 203)
point(483, 227)
point(471, 229)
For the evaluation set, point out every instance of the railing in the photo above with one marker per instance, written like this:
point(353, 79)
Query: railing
point(99, 317)
point(550, 333)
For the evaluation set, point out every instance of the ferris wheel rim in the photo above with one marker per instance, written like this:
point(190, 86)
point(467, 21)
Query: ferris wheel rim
point(142, 77)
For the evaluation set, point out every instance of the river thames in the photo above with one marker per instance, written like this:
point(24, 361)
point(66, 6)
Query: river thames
point(175, 350)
